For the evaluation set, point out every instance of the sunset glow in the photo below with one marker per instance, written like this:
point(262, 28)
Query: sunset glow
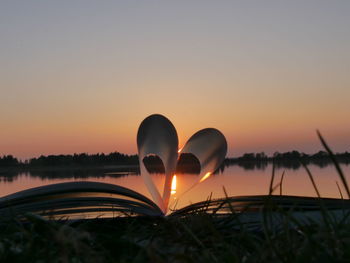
point(79, 79)
point(173, 185)
point(205, 177)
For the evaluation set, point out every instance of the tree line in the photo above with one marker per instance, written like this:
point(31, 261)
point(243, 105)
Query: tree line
point(247, 161)
point(114, 158)
point(292, 159)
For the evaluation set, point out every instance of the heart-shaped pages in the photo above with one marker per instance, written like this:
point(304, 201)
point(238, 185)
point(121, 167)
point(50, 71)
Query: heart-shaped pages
point(157, 136)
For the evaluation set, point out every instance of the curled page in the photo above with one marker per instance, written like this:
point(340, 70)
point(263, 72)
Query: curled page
point(157, 136)
point(209, 146)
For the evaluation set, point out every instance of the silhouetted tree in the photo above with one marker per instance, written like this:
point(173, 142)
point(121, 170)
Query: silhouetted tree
point(8, 160)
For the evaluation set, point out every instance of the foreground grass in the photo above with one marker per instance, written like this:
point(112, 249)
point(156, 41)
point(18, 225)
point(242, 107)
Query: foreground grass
point(193, 238)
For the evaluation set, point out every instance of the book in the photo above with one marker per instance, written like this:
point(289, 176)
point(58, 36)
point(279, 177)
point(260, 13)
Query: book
point(156, 138)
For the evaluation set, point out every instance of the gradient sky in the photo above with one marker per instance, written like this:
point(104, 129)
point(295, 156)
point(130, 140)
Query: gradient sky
point(80, 76)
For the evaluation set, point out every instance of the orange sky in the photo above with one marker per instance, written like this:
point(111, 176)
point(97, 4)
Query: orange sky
point(80, 77)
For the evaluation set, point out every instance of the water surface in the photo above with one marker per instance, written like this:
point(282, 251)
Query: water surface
point(236, 180)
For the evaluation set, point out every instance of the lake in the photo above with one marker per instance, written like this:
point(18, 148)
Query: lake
point(236, 180)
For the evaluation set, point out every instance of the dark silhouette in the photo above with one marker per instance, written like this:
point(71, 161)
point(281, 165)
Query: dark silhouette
point(187, 163)
point(84, 165)
point(8, 160)
point(153, 164)
point(84, 159)
point(289, 160)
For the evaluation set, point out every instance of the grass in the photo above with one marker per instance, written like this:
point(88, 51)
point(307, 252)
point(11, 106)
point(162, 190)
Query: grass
point(280, 236)
point(194, 238)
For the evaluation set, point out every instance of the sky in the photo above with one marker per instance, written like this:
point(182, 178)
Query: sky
point(80, 76)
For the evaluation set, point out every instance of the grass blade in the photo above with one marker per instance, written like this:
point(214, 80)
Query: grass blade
point(311, 178)
point(336, 164)
point(341, 194)
point(272, 179)
point(281, 182)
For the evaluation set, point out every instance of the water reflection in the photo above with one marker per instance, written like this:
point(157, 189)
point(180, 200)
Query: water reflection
point(289, 160)
point(236, 179)
point(66, 173)
point(10, 175)
point(263, 164)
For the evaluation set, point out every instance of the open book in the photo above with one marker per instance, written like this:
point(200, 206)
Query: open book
point(92, 199)
point(156, 138)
